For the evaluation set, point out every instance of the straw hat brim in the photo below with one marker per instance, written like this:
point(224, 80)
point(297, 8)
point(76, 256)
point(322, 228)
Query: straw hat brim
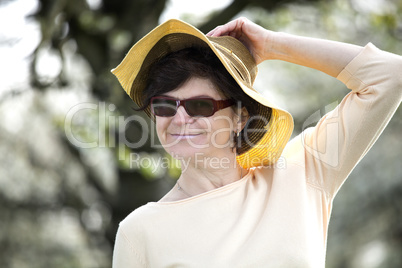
point(268, 141)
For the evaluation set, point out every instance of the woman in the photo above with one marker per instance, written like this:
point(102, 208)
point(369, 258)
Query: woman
point(233, 205)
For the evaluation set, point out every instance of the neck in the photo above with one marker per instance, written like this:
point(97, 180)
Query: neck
point(203, 174)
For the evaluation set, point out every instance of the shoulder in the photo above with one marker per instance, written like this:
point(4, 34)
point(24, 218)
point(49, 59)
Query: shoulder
point(140, 214)
point(294, 152)
point(136, 223)
point(131, 240)
point(291, 163)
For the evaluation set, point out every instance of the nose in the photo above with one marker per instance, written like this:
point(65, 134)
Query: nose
point(181, 117)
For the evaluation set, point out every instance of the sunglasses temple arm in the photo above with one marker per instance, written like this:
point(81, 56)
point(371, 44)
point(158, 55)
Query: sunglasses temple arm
point(224, 103)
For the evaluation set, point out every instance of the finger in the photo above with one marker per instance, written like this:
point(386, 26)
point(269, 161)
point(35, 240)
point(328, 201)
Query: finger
point(225, 29)
point(218, 31)
point(233, 34)
point(212, 32)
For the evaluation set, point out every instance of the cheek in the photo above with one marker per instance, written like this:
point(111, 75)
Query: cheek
point(220, 137)
point(161, 125)
point(222, 130)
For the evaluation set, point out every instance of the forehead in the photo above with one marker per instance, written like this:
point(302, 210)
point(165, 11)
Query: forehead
point(196, 87)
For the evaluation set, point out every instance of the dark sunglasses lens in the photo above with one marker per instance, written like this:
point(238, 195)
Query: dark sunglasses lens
point(163, 107)
point(199, 107)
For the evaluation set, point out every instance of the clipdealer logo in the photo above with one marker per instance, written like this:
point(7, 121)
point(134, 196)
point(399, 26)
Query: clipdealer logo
point(324, 147)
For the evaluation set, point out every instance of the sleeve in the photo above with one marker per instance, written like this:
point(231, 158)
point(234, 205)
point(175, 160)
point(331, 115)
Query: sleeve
point(124, 254)
point(343, 136)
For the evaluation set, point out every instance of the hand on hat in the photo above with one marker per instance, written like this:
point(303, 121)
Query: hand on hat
point(253, 36)
point(324, 55)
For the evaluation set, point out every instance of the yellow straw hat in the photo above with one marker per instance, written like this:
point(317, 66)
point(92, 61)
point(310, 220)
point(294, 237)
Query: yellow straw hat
point(266, 140)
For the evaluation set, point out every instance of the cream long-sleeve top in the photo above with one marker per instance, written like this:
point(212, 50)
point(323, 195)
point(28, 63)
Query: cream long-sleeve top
point(274, 216)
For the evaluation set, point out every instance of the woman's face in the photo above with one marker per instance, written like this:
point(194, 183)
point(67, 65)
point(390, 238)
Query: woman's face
point(184, 136)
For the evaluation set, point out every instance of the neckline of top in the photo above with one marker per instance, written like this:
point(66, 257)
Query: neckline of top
point(208, 193)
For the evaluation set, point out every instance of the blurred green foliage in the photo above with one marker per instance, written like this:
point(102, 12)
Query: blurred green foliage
point(61, 203)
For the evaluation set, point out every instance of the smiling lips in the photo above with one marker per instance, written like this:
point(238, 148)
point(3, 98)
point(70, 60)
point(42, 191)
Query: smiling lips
point(186, 135)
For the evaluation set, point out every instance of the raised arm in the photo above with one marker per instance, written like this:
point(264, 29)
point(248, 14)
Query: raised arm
point(332, 148)
point(327, 56)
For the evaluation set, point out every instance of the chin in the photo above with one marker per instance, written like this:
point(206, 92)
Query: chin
point(185, 151)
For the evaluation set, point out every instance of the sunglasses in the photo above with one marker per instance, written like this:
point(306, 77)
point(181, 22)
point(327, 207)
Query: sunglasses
point(195, 107)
